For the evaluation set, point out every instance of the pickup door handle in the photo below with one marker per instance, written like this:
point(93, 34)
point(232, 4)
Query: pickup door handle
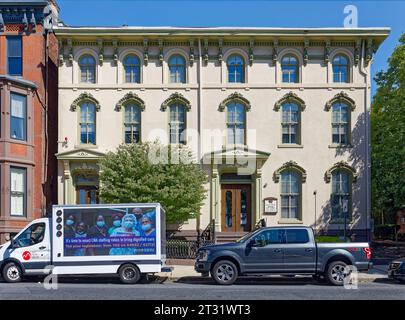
point(277, 250)
point(308, 250)
point(42, 248)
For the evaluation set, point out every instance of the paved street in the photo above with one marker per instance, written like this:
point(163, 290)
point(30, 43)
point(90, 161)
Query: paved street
point(202, 288)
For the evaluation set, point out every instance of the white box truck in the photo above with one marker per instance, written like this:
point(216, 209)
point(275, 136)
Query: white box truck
point(124, 239)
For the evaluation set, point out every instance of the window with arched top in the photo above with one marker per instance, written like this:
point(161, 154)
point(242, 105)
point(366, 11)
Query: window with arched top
point(177, 69)
point(340, 123)
point(87, 123)
point(290, 123)
point(236, 123)
point(289, 69)
point(87, 65)
point(177, 123)
point(236, 69)
point(340, 68)
point(132, 123)
point(290, 194)
point(132, 69)
point(341, 200)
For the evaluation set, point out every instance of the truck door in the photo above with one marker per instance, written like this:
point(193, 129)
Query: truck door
point(263, 252)
point(32, 247)
point(299, 251)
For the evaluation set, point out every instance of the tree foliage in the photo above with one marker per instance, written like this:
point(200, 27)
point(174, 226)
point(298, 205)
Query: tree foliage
point(388, 135)
point(151, 172)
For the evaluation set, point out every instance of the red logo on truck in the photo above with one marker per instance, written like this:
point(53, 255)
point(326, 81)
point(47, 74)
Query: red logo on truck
point(26, 255)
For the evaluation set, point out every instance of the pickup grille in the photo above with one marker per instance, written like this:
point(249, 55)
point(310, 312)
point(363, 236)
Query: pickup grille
point(394, 265)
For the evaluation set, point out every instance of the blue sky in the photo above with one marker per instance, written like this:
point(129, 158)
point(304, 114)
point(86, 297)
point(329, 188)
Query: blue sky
point(262, 13)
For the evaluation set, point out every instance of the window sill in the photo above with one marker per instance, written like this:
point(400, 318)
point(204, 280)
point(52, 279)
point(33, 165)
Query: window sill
point(292, 146)
point(342, 146)
point(289, 221)
point(86, 146)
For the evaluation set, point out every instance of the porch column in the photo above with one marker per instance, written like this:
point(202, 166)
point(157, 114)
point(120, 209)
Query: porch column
point(67, 182)
point(258, 195)
point(215, 189)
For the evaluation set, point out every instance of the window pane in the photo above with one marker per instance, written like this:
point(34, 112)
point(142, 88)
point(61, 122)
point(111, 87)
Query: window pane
point(18, 116)
point(296, 236)
point(15, 66)
point(17, 191)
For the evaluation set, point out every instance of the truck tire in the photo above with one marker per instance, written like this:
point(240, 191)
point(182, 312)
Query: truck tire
point(129, 274)
point(224, 272)
point(336, 273)
point(12, 273)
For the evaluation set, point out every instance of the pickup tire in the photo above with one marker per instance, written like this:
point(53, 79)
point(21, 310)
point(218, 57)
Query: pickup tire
point(12, 272)
point(336, 272)
point(224, 272)
point(129, 274)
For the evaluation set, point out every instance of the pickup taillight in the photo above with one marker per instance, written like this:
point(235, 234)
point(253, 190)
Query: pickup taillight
point(367, 251)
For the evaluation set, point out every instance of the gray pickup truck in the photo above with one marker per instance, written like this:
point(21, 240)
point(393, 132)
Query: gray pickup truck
point(285, 251)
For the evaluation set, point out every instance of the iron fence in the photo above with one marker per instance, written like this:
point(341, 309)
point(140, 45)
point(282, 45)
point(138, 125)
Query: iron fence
point(183, 249)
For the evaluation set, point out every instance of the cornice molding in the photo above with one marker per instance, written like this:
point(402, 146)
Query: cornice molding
point(175, 98)
point(341, 97)
point(235, 97)
point(289, 97)
point(83, 97)
point(128, 98)
point(290, 165)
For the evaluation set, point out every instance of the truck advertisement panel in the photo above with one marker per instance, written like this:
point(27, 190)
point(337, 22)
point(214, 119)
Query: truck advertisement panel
point(109, 231)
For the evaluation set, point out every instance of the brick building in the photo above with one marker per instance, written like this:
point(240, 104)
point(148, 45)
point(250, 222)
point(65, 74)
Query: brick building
point(28, 122)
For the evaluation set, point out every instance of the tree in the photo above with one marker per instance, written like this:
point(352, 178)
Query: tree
point(151, 172)
point(388, 136)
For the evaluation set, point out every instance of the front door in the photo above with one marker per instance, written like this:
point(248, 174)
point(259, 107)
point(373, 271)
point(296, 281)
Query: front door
point(86, 195)
point(236, 207)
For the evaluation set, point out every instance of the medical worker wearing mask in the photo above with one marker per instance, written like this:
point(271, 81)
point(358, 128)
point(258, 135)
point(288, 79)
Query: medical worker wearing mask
point(99, 230)
point(126, 230)
point(116, 224)
point(148, 230)
point(81, 229)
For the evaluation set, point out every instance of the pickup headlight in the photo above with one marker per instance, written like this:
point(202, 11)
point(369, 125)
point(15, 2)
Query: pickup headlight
point(203, 255)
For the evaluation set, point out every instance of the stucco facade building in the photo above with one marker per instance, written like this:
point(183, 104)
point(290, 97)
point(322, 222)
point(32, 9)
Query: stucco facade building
point(289, 106)
point(28, 119)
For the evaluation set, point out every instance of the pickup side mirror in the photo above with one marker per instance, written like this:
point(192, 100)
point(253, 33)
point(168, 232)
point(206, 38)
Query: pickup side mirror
point(256, 243)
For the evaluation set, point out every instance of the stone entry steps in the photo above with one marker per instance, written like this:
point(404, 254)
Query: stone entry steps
point(224, 237)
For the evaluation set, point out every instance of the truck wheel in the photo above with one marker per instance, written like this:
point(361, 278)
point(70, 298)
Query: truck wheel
point(224, 272)
point(12, 273)
point(336, 272)
point(129, 274)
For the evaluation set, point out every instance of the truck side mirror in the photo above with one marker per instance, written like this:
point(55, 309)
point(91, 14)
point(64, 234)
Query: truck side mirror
point(14, 243)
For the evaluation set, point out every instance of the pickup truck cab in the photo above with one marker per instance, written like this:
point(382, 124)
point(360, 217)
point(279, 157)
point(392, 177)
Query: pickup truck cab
point(282, 250)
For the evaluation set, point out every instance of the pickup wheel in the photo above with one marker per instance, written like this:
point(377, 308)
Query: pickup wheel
point(224, 272)
point(12, 273)
point(129, 274)
point(337, 272)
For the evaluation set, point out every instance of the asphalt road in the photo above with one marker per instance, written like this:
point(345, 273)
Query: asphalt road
point(202, 289)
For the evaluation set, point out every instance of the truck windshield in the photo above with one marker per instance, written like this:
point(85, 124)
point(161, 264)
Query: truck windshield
point(248, 235)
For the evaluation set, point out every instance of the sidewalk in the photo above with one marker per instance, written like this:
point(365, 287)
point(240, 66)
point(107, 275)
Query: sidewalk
point(186, 271)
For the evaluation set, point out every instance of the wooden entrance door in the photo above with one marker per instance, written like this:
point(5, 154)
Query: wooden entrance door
point(236, 207)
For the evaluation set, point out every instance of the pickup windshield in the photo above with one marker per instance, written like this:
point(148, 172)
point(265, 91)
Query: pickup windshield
point(247, 236)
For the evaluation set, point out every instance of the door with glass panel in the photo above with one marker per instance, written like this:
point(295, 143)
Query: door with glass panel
point(236, 207)
point(86, 195)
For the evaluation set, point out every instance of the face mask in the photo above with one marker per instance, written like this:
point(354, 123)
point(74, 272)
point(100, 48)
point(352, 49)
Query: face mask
point(117, 223)
point(69, 222)
point(146, 227)
point(100, 224)
point(128, 224)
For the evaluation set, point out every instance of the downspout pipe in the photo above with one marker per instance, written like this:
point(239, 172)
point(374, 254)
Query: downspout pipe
point(199, 102)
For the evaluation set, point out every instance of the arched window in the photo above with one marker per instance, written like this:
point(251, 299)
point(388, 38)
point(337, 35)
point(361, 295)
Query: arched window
point(87, 65)
point(87, 123)
point(132, 123)
point(177, 69)
point(289, 69)
point(236, 69)
point(340, 66)
point(341, 195)
point(340, 123)
point(290, 194)
point(177, 123)
point(235, 123)
point(290, 123)
point(132, 67)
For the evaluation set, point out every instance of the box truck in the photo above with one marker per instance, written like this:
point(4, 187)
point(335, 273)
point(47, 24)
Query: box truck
point(128, 240)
